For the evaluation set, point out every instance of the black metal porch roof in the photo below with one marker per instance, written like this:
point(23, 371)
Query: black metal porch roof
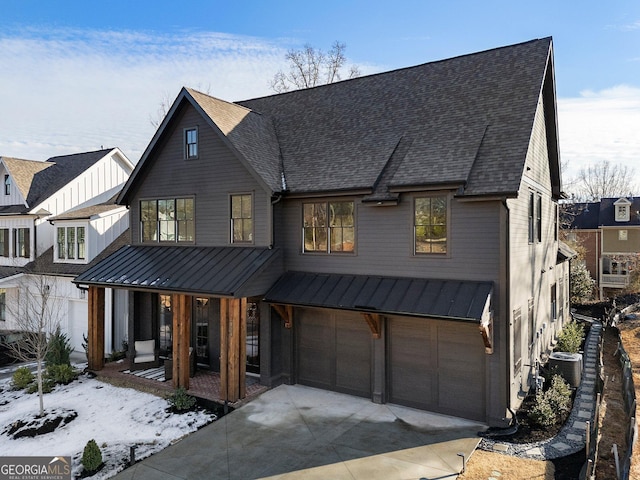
point(452, 299)
point(215, 271)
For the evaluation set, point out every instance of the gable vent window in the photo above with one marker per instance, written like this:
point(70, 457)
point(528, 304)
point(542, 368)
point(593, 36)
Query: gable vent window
point(191, 143)
point(7, 185)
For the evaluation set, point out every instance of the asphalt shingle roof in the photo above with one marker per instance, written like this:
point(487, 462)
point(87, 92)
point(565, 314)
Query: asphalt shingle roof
point(37, 181)
point(469, 119)
point(592, 215)
point(465, 121)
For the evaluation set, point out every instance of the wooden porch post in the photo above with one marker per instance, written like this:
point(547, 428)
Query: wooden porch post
point(181, 306)
point(95, 342)
point(233, 348)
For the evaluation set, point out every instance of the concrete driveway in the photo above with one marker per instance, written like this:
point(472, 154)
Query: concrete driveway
point(296, 432)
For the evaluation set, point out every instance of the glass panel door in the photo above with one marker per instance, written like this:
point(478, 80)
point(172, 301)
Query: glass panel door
point(201, 322)
point(166, 326)
point(253, 338)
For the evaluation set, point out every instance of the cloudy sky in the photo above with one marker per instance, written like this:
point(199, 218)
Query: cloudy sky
point(78, 75)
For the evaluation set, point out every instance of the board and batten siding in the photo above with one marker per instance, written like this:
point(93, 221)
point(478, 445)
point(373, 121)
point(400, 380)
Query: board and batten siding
point(210, 179)
point(532, 264)
point(384, 242)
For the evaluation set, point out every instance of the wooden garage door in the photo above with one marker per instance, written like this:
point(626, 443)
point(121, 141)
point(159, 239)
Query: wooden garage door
point(436, 365)
point(333, 351)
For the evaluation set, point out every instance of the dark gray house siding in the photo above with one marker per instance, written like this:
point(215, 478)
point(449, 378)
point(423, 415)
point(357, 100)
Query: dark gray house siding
point(479, 129)
point(384, 242)
point(210, 179)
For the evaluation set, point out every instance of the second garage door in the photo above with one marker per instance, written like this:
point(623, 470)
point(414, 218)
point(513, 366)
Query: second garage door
point(333, 351)
point(436, 365)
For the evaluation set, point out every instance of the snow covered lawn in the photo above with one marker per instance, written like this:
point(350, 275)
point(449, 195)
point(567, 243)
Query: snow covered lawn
point(116, 418)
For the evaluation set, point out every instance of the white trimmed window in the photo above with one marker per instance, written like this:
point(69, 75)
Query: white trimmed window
point(623, 210)
point(70, 243)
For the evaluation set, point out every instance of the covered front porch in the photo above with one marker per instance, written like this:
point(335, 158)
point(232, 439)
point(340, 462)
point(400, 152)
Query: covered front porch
point(205, 384)
point(169, 288)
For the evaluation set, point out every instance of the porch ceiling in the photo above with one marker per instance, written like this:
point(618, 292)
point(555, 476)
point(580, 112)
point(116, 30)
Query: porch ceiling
point(449, 299)
point(212, 271)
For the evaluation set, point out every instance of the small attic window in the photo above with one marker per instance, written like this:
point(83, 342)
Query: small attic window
point(7, 185)
point(622, 207)
point(190, 143)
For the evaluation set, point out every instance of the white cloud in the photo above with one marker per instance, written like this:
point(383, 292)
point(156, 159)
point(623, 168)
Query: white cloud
point(72, 91)
point(598, 126)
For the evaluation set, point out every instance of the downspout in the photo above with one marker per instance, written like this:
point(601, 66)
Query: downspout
point(506, 303)
point(274, 200)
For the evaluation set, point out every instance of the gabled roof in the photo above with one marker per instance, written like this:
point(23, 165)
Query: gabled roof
point(464, 122)
point(86, 213)
point(37, 181)
point(44, 264)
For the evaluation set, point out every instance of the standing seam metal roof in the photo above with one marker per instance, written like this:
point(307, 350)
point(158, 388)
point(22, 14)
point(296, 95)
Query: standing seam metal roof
point(197, 270)
point(452, 299)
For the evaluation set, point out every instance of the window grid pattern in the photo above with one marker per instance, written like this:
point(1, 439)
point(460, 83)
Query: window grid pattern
point(329, 227)
point(241, 218)
point(167, 220)
point(430, 225)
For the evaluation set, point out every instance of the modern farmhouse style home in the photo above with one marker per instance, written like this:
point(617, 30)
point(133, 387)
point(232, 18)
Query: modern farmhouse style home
point(393, 236)
point(56, 218)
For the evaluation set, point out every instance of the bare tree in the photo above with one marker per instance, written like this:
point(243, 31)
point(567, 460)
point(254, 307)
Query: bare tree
point(166, 102)
point(605, 180)
point(310, 66)
point(37, 312)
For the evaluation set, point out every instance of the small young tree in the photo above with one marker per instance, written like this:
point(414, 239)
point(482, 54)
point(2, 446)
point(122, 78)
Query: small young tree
point(37, 312)
point(581, 284)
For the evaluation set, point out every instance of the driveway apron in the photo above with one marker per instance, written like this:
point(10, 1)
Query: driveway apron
point(296, 432)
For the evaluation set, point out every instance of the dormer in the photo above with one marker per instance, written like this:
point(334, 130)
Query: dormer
point(622, 209)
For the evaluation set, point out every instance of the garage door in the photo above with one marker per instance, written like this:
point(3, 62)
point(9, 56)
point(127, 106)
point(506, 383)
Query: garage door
point(436, 365)
point(333, 351)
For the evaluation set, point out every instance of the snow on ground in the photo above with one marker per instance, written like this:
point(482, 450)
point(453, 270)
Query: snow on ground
point(116, 418)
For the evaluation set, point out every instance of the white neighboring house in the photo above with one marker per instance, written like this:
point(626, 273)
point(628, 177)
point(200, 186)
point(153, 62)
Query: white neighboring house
point(56, 218)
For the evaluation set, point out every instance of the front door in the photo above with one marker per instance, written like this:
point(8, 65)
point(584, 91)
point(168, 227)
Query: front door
point(202, 330)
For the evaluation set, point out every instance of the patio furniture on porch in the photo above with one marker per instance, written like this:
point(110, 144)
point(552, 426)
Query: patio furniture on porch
point(168, 365)
point(146, 355)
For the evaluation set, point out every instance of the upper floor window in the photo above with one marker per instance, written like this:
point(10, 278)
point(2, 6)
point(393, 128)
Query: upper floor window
point(328, 227)
point(7, 185)
point(241, 218)
point(3, 305)
point(167, 220)
point(71, 243)
point(21, 243)
point(4, 242)
point(623, 235)
point(535, 217)
point(622, 210)
point(430, 224)
point(191, 143)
